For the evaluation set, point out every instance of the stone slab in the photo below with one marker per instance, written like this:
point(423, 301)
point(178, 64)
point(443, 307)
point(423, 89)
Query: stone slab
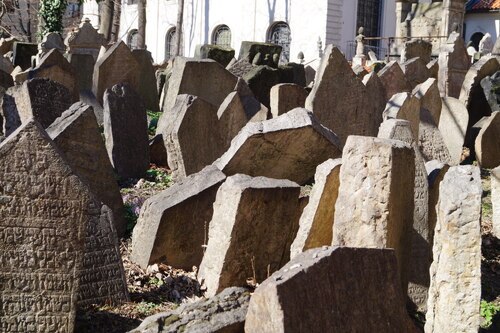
point(487, 144)
point(453, 127)
point(285, 97)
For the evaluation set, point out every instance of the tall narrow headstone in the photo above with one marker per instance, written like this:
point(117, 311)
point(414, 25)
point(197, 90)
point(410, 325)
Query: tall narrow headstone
point(456, 269)
point(375, 204)
point(76, 133)
point(421, 249)
point(147, 81)
point(487, 144)
point(453, 62)
point(375, 103)
point(453, 127)
point(242, 244)
point(125, 130)
point(316, 221)
point(435, 175)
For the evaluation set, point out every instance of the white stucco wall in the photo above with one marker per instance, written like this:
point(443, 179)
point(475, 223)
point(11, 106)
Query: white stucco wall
point(482, 22)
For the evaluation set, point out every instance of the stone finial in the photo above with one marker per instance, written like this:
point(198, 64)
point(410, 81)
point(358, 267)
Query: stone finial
point(301, 57)
point(320, 47)
point(360, 47)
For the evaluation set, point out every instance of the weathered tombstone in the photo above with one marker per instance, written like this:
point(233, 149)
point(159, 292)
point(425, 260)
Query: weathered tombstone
point(172, 226)
point(416, 71)
point(43, 218)
point(223, 55)
point(261, 79)
point(472, 94)
point(85, 40)
point(117, 65)
point(421, 248)
point(6, 44)
point(487, 144)
point(394, 80)
point(404, 106)
point(375, 103)
point(54, 66)
point(495, 200)
point(240, 68)
point(435, 175)
point(224, 312)
point(9, 115)
point(338, 97)
point(369, 211)
point(125, 130)
point(316, 221)
point(430, 99)
point(491, 90)
point(242, 243)
point(191, 136)
point(485, 44)
point(417, 48)
point(496, 49)
point(349, 299)
point(206, 79)
point(430, 139)
point(6, 65)
point(76, 133)
point(239, 108)
point(456, 268)
point(158, 152)
point(22, 53)
point(285, 97)
point(83, 67)
point(453, 126)
point(260, 53)
point(50, 41)
point(41, 99)
point(290, 146)
point(454, 62)
point(147, 81)
point(6, 80)
point(433, 68)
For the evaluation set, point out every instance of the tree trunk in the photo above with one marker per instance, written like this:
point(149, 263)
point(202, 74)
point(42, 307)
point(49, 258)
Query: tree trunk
point(106, 14)
point(141, 36)
point(117, 11)
point(178, 30)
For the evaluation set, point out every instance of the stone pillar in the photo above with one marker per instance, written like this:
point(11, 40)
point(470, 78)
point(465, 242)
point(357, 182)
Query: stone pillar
point(453, 17)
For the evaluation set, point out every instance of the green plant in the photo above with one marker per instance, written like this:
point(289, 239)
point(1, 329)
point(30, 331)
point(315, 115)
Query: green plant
point(130, 217)
point(52, 11)
point(153, 118)
point(488, 311)
point(146, 308)
point(155, 281)
point(159, 176)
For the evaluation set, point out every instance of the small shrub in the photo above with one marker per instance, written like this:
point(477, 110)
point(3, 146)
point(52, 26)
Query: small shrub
point(159, 176)
point(488, 311)
point(146, 308)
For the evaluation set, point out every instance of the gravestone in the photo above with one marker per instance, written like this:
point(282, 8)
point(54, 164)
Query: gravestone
point(83, 67)
point(6, 45)
point(205, 78)
point(43, 219)
point(54, 66)
point(117, 65)
point(22, 53)
point(495, 200)
point(369, 211)
point(454, 62)
point(6, 80)
point(9, 114)
point(416, 71)
point(337, 97)
point(416, 48)
point(191, 136)
point(485, 44)
point(435, 175)
point(430, 99)
point(261, 79)
point(472, 94)
point(125, 130)
point(239, 108)
point(453, 126)
point(487, 144)
point(290, 146)
point(172, 226)
point(491, 90)
point(457, 254)
point(347, 296)
point(496, 49)
point(360, 71)
point(433, 68)
point(394, 80)
point(6, 65)
point(41, 99)
point(85, 40)
point(147, 81)
point(76, 133)
point(223, 55)
point(260, 53)
point(421, 248)
point(50, 41)
point(316, 221)
point(404, 106)
point(158, 152)
point(375, 103)
point(242, 243)
point(430, 139)
point(285, 97)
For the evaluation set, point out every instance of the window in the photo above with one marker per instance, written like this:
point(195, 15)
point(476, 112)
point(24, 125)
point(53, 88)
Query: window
point(475, 39)
point(170, 39)
point(132, 39)
point(222, 36)
point(369, 12)
point(280, 34)
point(73, 10)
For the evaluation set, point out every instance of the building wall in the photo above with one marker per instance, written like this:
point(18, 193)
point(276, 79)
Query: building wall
point(482, 22)
point(330, 21)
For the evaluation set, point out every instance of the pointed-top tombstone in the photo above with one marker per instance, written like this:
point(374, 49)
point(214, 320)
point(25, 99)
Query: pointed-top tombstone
point(394, 80)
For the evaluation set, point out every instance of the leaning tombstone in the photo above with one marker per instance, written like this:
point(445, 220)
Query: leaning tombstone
point(487, 146)
point(125, 131)
point(286, 97)
point(457, 254)
point(9, 114)
point(259, 148)
point(430, 99)
point(490, 86)
point(172, 226)
point(435, 174)
point(346, 298)
point(317, 219)
point(417, 48)
point(50, 41)
point(242, 244)
point(6, 80)
point(375, 103)
point(368, 211)
point(453, 126)
point(454, 62)
point(394, 80)
point(421, 248)
point(6, 65)
point(223, 55)
point(404, 106)
point(147, 81)
point(416, 71)
point(76, 133)
point(433, 68)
